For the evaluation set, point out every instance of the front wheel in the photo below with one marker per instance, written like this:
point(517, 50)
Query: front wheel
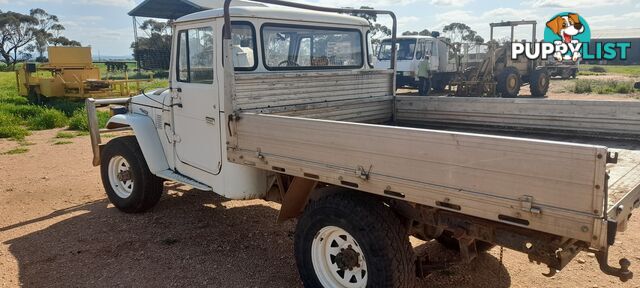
point(349, 240)
point(129, 184)
point(539, 83)
point(509, 82)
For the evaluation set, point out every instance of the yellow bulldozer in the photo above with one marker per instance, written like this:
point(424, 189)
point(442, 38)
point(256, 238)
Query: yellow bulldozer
point(71, 73)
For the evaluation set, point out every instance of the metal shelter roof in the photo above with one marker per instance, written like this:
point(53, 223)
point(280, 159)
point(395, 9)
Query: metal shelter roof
point(165, 9)
point(174, 9)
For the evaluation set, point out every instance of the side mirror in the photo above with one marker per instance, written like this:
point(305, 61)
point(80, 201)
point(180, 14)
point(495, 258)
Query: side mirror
point(637, 86)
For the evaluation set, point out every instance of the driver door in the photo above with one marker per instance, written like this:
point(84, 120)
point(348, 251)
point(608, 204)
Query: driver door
point(196, 108)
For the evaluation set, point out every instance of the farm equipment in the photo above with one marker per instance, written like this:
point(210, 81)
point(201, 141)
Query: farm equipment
point(564, 69)
point(500, 75)
point(70, 72)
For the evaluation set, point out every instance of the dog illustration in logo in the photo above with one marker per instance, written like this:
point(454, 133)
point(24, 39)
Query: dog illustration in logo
point(566, 27)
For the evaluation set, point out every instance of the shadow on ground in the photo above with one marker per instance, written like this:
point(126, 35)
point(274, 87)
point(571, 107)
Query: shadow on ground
point(192, 238)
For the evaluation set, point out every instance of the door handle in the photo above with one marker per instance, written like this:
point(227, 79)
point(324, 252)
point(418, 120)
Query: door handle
point(210, 120)
point(179, 89)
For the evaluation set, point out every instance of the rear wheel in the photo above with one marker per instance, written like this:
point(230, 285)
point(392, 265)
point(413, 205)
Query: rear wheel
point(350, 240)
point(129, 184)
point(540, 83)
point(509, 83)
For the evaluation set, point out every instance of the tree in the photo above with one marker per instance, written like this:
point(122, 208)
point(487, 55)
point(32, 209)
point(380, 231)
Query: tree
point(377, 30)
point(153, 51)
point(42, 34)
point(424, 32)
point(461, 33)
point(18, 31)
point(63, 41)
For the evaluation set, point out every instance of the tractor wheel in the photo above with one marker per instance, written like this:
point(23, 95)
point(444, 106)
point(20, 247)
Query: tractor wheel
point(509, 83)
point(33, 97)
point(540, 83)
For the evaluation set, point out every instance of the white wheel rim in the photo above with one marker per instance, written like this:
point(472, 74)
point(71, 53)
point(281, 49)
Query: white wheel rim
point(120, 176)
point(333, 247)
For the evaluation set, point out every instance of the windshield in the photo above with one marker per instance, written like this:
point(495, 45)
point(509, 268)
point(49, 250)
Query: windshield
point(406, 47)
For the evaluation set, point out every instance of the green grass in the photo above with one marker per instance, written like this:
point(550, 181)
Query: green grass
point(18, 117)
point(15, 151)
point(62, 142)
point(632, 70)
point(65, 135)
point(583, 86)
point(48, 119)
point(80, 122)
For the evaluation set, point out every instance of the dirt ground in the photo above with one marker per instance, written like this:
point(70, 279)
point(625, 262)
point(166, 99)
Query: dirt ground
point(58, 230)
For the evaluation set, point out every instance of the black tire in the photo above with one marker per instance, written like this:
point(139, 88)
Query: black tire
point(380, 234)
point(509, 83)
point(440, 85)
point(146, 188)
point(540, 83)
point(33, 97)
point(446, 239)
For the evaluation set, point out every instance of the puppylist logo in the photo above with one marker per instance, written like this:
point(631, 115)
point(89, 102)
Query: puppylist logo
point(567, 37)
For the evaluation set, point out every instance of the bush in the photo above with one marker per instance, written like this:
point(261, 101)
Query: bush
point(80, 122)
point(603, 87)
point(597, 69)
point(14, 131)
point(68, 107)
point(21, 111)
point(8, 119)
point(582, 86)
point(48, 119)
point(14, 99)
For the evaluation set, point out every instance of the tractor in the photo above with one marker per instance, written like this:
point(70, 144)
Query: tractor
point(501, 76)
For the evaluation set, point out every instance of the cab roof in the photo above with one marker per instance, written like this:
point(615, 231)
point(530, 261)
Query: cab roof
point(409, 37)
point(278, 13)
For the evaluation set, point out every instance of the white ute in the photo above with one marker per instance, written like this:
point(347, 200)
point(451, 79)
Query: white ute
point(285, 103)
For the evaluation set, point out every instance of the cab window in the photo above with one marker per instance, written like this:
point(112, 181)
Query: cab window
point(289, 47)
point(195, 55)
point(243, 37)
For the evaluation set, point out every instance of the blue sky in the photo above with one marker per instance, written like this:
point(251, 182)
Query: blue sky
point(105, 26)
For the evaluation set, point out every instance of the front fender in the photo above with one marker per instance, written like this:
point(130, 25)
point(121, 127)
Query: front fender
point(147, 136)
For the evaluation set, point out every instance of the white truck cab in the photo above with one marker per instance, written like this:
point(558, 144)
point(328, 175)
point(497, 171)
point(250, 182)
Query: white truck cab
point(411, 51)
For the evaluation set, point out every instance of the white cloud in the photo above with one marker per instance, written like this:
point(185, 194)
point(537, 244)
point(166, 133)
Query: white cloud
point(116, 3)
point(379, 4)
point(578, 4)
point(457, 3)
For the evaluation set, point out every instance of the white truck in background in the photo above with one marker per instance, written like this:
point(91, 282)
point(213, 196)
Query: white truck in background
point(411, 51)
point(323, 132)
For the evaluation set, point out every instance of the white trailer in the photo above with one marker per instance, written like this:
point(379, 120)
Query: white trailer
point(322, 129)
point(411, 51)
